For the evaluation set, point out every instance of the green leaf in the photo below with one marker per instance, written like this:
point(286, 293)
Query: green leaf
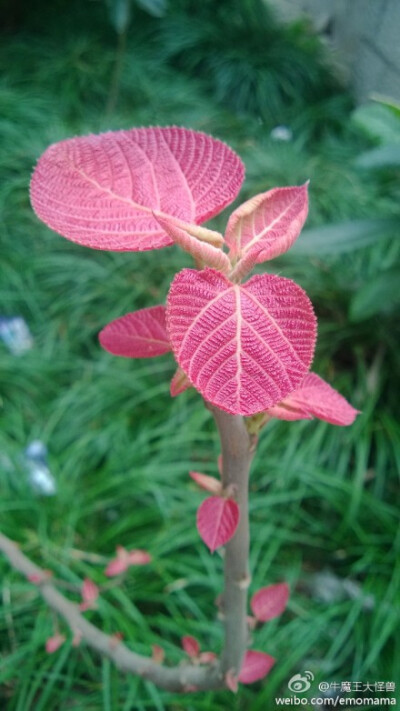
point(382, 157)
point(380, 295)
point(157, 8)
point(379, 122)
point(120, 14)
point(388, 102)
point(343, 237)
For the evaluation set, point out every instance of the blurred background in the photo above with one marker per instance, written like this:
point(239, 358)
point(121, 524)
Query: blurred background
point(93, 451)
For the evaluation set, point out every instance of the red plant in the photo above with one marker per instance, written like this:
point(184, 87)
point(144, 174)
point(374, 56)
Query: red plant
point(246, 346)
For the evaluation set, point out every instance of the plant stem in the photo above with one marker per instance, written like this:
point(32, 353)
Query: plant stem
point(186, 677)
point(237, 453)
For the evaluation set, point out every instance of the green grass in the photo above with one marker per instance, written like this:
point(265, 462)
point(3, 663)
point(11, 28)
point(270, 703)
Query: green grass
point(322, 497)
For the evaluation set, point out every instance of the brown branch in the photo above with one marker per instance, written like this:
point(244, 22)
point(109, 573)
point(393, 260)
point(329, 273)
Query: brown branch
point(187, 677)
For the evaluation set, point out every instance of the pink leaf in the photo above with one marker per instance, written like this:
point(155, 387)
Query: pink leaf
point(141, 334)
point(116, 566)
point(315, 398)
point(266, 226)
point(256, 665)
point(119, 564)
point(269, 602)
point(231, 681)
point(217, 521)
point(139, 557)
point(100, 190)
point(191, 646)
point(243, 346)
point(283, 411)
point(188, 237)
point(209, 483)
point(179, 383)
point(53, 643)
point(90, 593)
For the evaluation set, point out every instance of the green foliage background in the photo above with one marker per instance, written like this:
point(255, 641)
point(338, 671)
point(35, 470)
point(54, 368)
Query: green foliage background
point(322, 498)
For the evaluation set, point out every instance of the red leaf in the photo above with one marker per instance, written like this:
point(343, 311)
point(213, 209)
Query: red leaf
point(243, 346)
point(141, 334)
point(269, 602)
point(53, 643)
point(179, 383)
point(231, 681)
point(315, 398)
point(209, 483)
point(90, 593)
point(119, 564)
point(100, 190)
point(283, 411)
point(191, 646)
point(217, 520)
point(189, 237)
point(116, 566)
point(266, 226)
point(139, 557)
point(256, 665)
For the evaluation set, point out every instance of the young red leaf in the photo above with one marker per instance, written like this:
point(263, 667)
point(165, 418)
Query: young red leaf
point(217, 521)
point(231, 681)
point(200, 234)
point(119, 564)
point(186, 237)
point(243, 346)
point(315, 398)
point(90, 593)
point(266, 226)
point(289, 413)
point(139, 557)
point(100, 190)
point(191, 646)
point(116, 566)
point(269, 602)
point(256, 665)
point(179, 383)
point(141, 334)
point(53, 643)
point(209, 483)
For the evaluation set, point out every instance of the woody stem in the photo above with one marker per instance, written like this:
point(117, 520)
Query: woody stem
point(237, 453)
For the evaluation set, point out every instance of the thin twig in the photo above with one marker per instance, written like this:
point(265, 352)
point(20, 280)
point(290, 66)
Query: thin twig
point(182, 678)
